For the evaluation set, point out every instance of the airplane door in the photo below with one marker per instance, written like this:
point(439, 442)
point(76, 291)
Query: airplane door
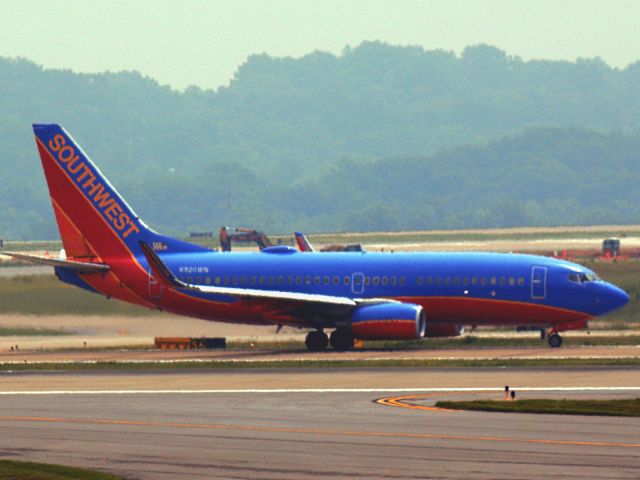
point(539, 282)
point(357, 283)
point(155, 288)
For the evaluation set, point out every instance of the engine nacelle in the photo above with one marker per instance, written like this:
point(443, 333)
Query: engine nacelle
point(388, 321)
point(443, 330)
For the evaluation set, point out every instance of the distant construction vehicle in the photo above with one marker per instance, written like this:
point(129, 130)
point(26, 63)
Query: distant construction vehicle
point(305, 246)
point(611, 247)
point(229, 235)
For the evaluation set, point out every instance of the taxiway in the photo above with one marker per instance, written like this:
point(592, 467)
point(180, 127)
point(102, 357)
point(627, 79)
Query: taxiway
point(312, 423)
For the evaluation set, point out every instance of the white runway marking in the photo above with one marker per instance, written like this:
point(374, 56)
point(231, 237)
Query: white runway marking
point(319, 390)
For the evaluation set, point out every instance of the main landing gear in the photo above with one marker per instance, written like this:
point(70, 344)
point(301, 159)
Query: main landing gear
point(317, 341)
point(554, 339)
point(341, 339)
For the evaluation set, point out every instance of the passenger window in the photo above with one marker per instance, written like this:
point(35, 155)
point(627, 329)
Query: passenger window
point(327, 280)
point(420, 280)
point(253, 280)
point(503, 281)
point(272, 280)
point(198, 280)
point(225, 280)
point(393, 280)
point(262, 280)
point(307, 280)
point(447, 281)
point(207, 280)
point(385, 280)
point(438, 281)
point(494, 280)
point(289, 280)
point(316, 280)
point(483, 280)
point(429, 280)
point(376, 280)
point(336, 280)
point(298, 280)
point(190, 280)
point(465, 281)
point(217, 281)
point(234, 280)
point(347, 280)
point(243, 280)
point(520, 281)
point(456, 280)
point(474, 281)
point(512, 281)
point(402, 280)
point(280, 280)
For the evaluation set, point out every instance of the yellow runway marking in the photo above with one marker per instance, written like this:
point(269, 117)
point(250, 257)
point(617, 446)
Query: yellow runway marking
point(316, 431)
point(401, 401)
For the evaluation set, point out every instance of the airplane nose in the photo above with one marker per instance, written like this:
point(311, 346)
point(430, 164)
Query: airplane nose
point(616, 297)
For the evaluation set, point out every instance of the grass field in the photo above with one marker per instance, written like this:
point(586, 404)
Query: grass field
point(427, 236)
point(578, 363)
point(46, 295)
point(30, 332)
point(617, 408)
point(12, 470)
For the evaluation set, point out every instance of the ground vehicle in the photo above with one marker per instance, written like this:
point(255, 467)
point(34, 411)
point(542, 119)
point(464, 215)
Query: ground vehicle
point(611, 247)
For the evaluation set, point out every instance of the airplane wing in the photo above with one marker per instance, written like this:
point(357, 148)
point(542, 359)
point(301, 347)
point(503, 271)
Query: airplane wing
point(165, 276)
point(80, 267)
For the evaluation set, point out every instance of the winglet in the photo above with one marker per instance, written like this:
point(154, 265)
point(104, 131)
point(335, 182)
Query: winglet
point(303, 242)
point(160, 271)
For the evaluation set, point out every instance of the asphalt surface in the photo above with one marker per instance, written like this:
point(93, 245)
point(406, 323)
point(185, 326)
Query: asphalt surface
point(154, 355)
point(287, 424)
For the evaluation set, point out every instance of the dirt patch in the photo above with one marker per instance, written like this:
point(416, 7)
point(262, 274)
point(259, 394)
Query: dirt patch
point(97, 331)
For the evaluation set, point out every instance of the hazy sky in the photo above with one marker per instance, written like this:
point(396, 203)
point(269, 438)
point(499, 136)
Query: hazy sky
point(181, 43)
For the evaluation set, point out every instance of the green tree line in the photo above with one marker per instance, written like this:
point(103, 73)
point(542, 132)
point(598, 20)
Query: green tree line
point(378, 137)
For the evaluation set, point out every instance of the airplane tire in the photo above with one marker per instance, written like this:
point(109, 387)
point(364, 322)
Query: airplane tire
point(555, 340)
point(341, 339)
point(316, 341)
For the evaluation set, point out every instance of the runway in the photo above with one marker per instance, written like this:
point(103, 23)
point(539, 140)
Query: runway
point(314, 423)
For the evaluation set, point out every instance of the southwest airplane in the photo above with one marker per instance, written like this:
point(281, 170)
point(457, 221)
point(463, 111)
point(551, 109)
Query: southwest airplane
point(109, 250)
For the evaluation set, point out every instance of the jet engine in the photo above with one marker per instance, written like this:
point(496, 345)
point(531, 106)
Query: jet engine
point(388, 321)
point(443, 330)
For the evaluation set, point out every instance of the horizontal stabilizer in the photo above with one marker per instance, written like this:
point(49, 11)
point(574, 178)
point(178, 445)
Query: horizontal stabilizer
point(80, 267)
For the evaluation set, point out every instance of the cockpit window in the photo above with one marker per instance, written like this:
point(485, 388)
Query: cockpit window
point(582, 277)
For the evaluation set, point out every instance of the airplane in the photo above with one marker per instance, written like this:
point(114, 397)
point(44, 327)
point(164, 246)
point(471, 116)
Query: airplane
point(303, 243)
point(109, 250)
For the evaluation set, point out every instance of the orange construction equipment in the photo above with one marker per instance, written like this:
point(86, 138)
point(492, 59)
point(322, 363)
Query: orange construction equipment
point(229, 235)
